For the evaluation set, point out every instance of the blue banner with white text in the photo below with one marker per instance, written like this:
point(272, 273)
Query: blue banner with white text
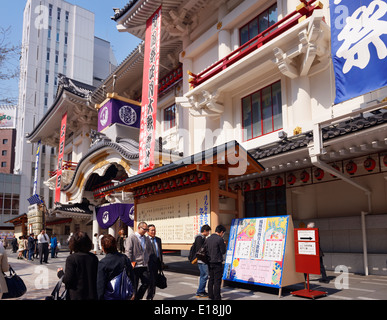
point(359, 46)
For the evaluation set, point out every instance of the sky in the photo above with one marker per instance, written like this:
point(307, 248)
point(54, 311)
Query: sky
point(11, 15)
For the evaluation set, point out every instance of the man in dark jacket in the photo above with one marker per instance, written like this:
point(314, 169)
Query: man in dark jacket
point(155, 263)
point(216, 248)
point(31, 246)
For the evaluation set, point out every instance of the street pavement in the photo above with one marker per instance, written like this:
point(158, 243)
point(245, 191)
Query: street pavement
point(183, 282)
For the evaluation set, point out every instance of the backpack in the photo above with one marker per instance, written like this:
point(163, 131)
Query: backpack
point(192, 254)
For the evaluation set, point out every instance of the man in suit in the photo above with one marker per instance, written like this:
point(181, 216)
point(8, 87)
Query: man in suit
point(155, 260)
point(43, 240)
point(138, 249)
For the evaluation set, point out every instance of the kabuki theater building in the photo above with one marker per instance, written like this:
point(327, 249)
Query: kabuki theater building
point(232, 109)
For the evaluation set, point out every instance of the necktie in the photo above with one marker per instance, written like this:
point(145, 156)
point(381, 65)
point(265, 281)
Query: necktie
point(156, 248)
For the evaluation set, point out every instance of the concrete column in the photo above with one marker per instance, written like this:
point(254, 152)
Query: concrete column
point(224, 36)
point(95, 223)
point(302, 107)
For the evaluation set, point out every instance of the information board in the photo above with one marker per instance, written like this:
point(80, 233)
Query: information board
point(307, 250)
point(177, 219)
point(256, 251)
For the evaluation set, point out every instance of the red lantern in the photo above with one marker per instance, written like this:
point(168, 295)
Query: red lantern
point(144, 191)
point(186, 180)
point(335, 166)
point(369, 164)
point(154, 188)
point(202, 177)
point(351, 167)
point(160, 186)
point(267, 183)
point(237, 187)
point(319, 174)
point(193, 178)
point(305, 176)
point(247, 187)
point(278, 181)
point(166, 185)
point(149, 189)
point(172, 183)
point(179, 182)
point(257, 185)
point(291, 179)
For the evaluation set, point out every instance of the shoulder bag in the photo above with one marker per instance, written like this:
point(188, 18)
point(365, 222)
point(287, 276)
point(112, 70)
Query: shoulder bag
point(161, 280)
point(119, 288)
point(15, 284)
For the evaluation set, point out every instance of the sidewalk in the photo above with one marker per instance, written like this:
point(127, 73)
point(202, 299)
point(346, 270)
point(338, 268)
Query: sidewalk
point(183, 282)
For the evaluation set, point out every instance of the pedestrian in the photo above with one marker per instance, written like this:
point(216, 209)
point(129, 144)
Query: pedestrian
point(54, 244)
point(43, 240)
point(121, 241)
point(80, 275)
point(36, 247)
point(25, 241)
point(155, 263)
point(138, 249)
point(14, 244)
point(216, 248)
point(111, 265)
point(4, 267)
point(95, 243)
point(21, 248)
point(324, 277)
point(100, 245)
point(203, 267)
point(57, 249)
point(31, 247)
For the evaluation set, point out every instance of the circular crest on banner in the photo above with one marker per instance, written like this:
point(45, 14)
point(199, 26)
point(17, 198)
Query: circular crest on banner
point(104, 116)
point(105, 217)
point(128, 115)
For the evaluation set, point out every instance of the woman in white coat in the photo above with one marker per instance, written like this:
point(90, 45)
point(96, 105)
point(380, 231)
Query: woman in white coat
point(4, 267)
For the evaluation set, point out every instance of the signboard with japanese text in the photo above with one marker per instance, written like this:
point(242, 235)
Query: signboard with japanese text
point(117, 111)
point(37, 157)
point(307, 250)
point(60, 157)
point(150, 92)
point(256, 252)
point(177, 219)
point(359, 46)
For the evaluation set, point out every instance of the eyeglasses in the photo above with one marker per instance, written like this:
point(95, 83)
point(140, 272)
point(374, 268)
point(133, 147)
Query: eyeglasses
point(144, 229)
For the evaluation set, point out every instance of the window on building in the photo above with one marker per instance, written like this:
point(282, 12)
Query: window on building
point(47, 77)
point(3, 164)
point(49, 32)
point(265, 202)
point(58, 13)
point(67, 15)
point(56, 57)
point(48, 55)
point(259, 24)
point(57, 37)
point(170, 117)
point(5, 141)
point(262, 111)
point(66, 38)
point(4, 152)
point(50, 10)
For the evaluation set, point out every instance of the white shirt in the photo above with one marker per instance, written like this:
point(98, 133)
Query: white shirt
point(43, 238)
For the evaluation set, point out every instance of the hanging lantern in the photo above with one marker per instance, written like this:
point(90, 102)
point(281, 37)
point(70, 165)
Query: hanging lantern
point(257, 185)
point(291, 179)
point(267, 183)
point(369, 164)
point(246, 187)
point(166, 185)
point(319, 174)
point(144, 191)
point(351, 167)
point(154, 188)
point(193, 178)
point(179, 182)
point(186, 180)
point(149, 189)
point(172, 183)
point(305, 176)
point(335, 166)
point(160, 186)
point(237, 187)
point(278, 181)
point(202, 177)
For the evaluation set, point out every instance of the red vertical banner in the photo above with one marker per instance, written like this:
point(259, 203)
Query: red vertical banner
point(150, 86)
point(60, 157)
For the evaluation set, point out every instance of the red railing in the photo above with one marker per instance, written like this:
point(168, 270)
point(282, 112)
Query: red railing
point(304, 9)
point(67, 165)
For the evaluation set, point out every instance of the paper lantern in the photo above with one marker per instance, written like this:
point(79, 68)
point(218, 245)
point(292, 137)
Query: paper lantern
point(369, 164)
point(179, 182)
point(305, 176)
point(278, 181)
point(267, 183)
point(291, 179)
point(351, 167)
point(319, 174)
point(257, 185)
point(246, 187)
point(186, 180)
point(172, 183)
point(202, 177)
point(193, 178)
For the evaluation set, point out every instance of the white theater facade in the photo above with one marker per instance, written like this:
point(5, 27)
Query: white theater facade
point(256, 72)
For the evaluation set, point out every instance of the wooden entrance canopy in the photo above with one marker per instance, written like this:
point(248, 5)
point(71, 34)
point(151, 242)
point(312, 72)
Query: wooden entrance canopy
point(196, 173)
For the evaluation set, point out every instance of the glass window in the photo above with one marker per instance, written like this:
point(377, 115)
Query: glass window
point(170, 117)
point(259, 24)
point(262, 111)
point(4, 152)
point(5, 141)
point(265, 202)
point(3, 164)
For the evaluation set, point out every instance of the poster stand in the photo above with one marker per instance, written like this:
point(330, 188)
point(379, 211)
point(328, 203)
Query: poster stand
point(307, 254)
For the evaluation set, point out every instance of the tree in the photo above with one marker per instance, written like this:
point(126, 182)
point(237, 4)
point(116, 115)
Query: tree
point(9, 70)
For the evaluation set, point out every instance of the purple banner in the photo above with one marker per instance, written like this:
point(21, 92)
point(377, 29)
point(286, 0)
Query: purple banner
point(117, 111)
point(108, 215)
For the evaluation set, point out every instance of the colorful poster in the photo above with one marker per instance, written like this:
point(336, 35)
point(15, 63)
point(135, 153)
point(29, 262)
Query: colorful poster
point(256, 250)
point(359, 46)
point(37, 157)
point(150, 87)
point(60, 157)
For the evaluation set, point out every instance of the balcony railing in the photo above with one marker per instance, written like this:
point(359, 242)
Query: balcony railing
point(67, 165)
point(304, 10)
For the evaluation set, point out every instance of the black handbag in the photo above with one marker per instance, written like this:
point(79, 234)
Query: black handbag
point(55, 294)
point(161, 280)
point(15, 284)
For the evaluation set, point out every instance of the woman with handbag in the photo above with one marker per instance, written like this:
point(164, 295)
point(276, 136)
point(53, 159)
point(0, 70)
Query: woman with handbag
point(80, 276)
point(4, 267)
point(115, 276)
